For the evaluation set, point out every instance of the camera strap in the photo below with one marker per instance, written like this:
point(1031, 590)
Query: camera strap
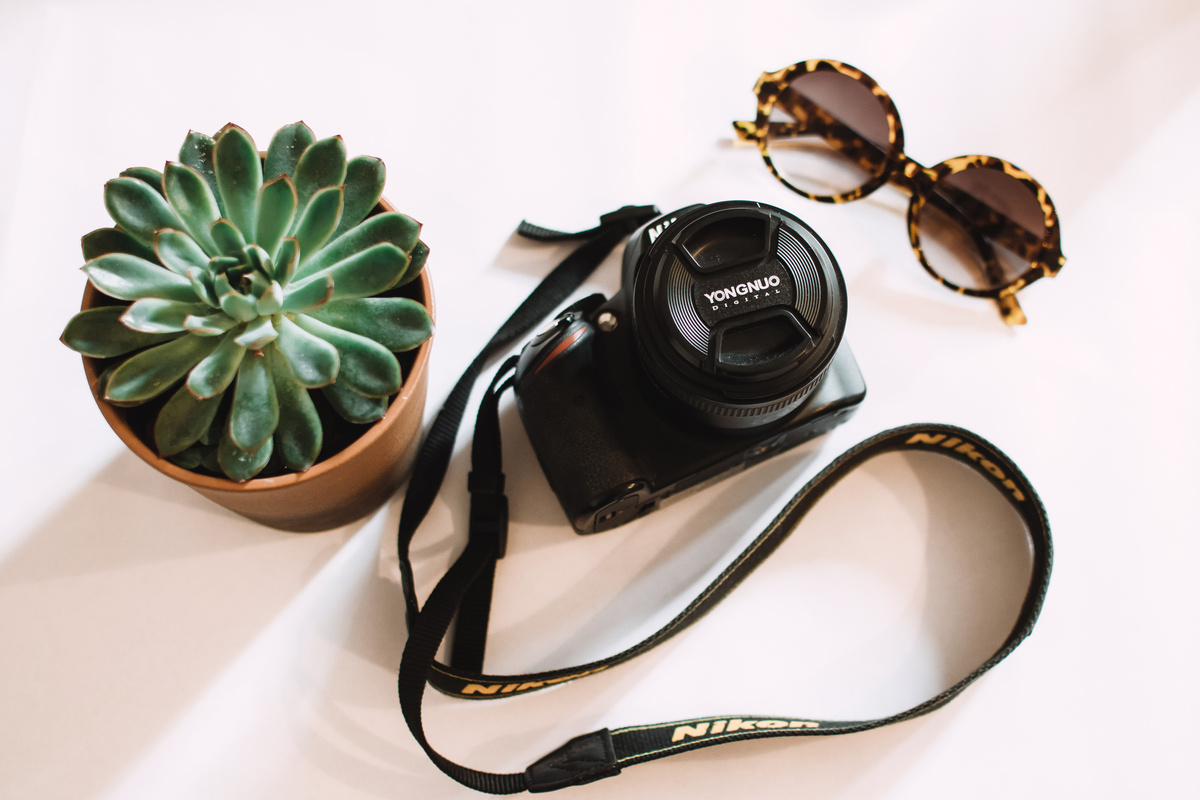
point(429, 468)
point(465, 592)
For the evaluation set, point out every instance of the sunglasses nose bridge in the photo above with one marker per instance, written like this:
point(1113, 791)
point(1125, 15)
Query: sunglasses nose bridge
point(913, 172)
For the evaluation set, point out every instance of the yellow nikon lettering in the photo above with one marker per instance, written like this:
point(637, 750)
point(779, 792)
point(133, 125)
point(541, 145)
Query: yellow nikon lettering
point(737, 725)
point(497, 688)
point(926, 438)
point(966, 449)
point(694, 731)
point(1012, 487)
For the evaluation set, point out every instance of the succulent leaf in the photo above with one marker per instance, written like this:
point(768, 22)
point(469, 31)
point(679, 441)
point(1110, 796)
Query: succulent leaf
point(271, 301)
point(152, 315)
point(239, 177)
point(102, 387)
point(151, 372)
point(127, 277)
point(238, 306)
point(222, 265)
point(98, 333)
point(138, 209)
point(354, 407)
point(393, 228)
point(197, 153)
point(287, 259)
point(258, 260)
point(258, 284)
point(313, 361)
point(365, 177)
point(310, 294)
point(238, 464)
point(211, 325)
point(193, 201)
point(258, 334)
point(367, 367)
point(397, 323)
point(363, 274)
point(178, 252)
point(203, 285)
point(320, 219)
point(220, 273)
point(299, 434)
point(322, 165)
point(103, 241)
point(285, 149)
point(210, 458)
point(192, 458)
point(216, 371)
point(276, 210)
point(182, 421)
point(254, 413)
point(416, 263)
point(228, 239)
point(151, 177)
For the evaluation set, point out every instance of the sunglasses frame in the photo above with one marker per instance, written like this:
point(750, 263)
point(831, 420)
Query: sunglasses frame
point(1045, 257)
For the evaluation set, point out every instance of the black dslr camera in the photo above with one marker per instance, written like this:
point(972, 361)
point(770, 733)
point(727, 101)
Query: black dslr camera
point(723, 347)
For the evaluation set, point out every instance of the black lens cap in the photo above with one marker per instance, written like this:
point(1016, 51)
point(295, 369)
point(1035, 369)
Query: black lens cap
point(738, 309)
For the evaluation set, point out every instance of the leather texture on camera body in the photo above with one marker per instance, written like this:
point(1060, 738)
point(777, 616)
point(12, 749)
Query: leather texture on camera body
point(567, 409)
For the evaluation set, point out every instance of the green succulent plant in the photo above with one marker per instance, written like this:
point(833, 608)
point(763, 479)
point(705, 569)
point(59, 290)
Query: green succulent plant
point(250, 283)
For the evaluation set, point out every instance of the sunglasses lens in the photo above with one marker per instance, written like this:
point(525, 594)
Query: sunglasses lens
point(828, 134)
point(981, 228)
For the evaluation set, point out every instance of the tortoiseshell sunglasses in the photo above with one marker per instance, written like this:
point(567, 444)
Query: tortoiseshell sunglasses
point(979, 225)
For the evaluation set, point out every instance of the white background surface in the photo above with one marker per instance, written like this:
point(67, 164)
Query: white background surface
point(157, 646)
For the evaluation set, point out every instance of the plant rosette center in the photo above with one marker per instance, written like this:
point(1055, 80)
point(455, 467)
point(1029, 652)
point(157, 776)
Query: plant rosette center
point(263, 299)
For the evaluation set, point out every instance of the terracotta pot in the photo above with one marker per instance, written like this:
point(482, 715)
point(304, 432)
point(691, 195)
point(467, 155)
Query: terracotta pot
point(340, 489)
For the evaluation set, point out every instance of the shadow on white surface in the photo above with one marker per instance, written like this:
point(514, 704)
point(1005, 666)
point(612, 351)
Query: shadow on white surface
point(153, 589)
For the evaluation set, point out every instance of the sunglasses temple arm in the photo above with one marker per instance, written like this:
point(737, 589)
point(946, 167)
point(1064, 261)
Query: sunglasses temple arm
point(1010, 310)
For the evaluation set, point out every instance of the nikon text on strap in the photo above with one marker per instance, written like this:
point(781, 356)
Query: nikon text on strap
point(465, 589)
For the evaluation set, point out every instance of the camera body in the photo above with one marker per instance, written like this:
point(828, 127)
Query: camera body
point(722, 348)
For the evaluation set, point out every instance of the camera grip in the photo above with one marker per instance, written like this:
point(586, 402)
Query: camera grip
point(566, 408)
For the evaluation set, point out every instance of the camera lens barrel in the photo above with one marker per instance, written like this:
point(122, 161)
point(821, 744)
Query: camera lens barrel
point(737, 308)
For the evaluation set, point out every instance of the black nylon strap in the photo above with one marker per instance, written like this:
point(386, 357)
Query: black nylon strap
point(429, 468)
point(465, 590)
point(603, 753)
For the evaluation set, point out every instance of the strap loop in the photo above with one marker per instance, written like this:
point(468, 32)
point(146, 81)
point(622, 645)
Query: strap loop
point(582, 760)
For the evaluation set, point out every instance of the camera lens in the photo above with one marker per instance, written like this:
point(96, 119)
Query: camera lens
point(738, 309)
